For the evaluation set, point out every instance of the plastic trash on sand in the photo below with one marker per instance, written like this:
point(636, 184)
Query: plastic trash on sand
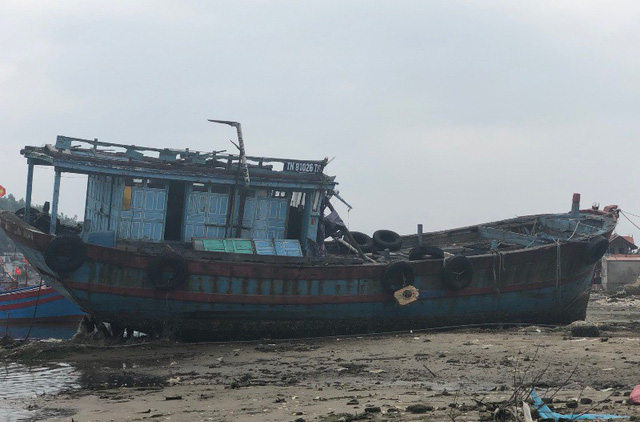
point(634, 397)
point(546, 413)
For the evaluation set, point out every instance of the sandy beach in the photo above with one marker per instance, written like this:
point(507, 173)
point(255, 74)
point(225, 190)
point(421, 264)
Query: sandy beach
point(454, 375)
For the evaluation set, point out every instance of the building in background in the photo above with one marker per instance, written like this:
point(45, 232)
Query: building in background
point(621, 265)
point(622, 245)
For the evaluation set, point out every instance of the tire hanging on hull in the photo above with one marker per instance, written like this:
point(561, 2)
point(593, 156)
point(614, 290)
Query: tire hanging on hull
point(168, 262)
point(457, 273)
point(65, 254)
point(397, 275)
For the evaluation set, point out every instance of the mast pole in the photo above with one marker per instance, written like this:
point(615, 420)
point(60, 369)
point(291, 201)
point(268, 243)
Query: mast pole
point(27, 200)
point(54, 202)
point(242, 166)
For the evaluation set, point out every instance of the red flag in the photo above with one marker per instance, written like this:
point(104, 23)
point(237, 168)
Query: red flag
point(3, 191)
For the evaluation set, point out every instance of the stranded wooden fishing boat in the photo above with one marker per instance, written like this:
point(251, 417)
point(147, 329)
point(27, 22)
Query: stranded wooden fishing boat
point(217, 245)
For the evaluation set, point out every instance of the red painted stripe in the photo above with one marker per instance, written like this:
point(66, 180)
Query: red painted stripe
point(291, 300)
point(4, 296)
point(30, 303)
point(55, 319)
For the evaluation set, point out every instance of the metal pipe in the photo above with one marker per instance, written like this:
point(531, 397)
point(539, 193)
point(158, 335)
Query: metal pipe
point(27, 202)
point(575, 206)
point(241, 192)
point(54, 202)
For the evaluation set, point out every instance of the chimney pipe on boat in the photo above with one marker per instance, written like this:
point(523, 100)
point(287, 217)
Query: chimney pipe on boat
point(575, 206)
point(242, 162)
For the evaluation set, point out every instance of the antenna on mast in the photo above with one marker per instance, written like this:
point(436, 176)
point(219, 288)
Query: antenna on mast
point(240, 146)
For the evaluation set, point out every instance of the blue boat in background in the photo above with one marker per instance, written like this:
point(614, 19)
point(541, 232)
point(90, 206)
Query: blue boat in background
point(37, 303)
point(212, 245)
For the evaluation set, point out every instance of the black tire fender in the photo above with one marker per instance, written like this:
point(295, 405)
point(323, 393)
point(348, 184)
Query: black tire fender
point(168, 262)
point(425, 252)
point(594, 250)
point(397, 275)
point(457, 273)
point(363, 240)
point(387, 239)
point(65, 254)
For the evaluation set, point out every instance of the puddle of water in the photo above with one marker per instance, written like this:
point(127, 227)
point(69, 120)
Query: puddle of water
point(20, 383)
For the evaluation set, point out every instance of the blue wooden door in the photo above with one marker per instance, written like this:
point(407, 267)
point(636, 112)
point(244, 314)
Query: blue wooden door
point(145, 218)
point(98, 206)
point(265, 216)
point(206, 214)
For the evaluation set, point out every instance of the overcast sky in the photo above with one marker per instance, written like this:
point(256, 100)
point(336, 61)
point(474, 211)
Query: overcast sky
point(444, 113)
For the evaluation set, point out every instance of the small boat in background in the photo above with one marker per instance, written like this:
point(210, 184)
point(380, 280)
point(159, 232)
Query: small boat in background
point(37, 303)
point(30, 303)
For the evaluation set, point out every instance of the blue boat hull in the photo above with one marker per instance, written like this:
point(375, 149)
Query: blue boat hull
point(40, 304)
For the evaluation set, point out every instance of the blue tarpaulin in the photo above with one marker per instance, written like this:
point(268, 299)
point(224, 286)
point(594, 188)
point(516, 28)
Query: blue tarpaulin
point(546, 413)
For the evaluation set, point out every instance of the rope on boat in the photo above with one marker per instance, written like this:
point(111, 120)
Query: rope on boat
point(625, 216)
point(630, 213)
point(35, 309)
point(497, 279)
point(558, 271)
point(574, 231)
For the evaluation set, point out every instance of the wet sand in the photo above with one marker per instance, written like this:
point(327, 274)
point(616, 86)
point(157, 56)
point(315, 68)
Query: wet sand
point(460, 375)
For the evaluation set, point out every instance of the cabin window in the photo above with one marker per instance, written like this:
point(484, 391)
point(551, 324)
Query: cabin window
point(199, 187)
point(207, 187)
point(297, 199)
point(316, 201)
point(156, 184)
point(277, 194)
point(219, 189)
point(133, 181)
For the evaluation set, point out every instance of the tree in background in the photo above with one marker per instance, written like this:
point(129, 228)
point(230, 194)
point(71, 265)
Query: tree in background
point(9, 203)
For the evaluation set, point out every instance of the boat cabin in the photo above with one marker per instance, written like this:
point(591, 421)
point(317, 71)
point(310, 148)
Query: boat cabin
point(214, 200)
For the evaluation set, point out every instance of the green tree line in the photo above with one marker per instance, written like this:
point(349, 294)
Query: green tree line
point(10, 203)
